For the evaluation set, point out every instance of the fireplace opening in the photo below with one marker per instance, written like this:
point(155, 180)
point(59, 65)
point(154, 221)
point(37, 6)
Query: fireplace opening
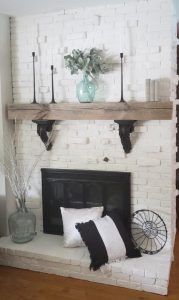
point(83, 189)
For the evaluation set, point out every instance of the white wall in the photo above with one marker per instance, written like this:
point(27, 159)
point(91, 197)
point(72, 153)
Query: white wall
point(5, 98)
point(143, 31)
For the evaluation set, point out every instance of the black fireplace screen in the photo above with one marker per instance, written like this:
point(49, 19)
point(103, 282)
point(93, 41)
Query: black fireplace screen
point(80, 189)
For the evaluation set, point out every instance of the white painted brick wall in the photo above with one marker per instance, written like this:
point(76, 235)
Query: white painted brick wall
point(147, 47)
point(126, 27)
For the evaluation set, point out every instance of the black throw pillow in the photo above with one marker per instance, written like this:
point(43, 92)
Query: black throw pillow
point(107, 240)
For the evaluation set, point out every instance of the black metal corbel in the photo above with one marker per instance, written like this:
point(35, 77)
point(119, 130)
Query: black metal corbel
point(43, 127)
point(126, 127)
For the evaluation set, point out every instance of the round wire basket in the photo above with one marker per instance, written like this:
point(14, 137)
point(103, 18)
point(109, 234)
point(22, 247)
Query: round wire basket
point(149, 231)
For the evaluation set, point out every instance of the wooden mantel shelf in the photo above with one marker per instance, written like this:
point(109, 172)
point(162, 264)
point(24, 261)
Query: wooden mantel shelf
point(125, 114)
point(92, 111)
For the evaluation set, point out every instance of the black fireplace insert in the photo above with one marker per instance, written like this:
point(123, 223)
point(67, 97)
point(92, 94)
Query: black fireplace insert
point(80, 189)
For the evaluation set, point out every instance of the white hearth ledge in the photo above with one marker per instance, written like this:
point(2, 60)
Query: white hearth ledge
point(46, 254)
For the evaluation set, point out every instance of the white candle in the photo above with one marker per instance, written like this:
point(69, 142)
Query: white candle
point(147, 89)
point(152, 90)
point(156, 90)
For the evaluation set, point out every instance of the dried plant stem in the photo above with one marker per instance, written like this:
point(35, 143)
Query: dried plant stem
point(14, 170)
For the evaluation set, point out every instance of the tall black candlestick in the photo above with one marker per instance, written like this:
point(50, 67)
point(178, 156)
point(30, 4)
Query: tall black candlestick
point(34, 98)
point(53, 99)
point(122, 97)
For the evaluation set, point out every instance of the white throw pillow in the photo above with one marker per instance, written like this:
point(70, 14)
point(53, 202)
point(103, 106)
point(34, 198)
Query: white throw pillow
point(107, 239)
point(72, 216)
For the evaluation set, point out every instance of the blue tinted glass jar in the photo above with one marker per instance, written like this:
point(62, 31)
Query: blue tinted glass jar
point(22, 225)
point(85, 90)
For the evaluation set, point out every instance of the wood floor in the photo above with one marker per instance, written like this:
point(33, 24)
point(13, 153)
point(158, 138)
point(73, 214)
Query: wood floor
point(16, 284)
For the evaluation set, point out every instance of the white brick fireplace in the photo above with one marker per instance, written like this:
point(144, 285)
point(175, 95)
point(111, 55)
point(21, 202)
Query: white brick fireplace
point(144, 32)
point(84, 144)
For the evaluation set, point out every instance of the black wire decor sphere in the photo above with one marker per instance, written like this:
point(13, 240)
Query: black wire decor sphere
point(149, 231)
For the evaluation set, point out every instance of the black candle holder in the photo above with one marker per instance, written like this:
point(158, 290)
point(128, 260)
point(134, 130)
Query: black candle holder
point(34, 92)
point(122, 81)
point(53, 98)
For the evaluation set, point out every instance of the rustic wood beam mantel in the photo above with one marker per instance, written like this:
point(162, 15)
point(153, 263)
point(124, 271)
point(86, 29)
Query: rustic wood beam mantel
point(125, 114)
point(92, 111)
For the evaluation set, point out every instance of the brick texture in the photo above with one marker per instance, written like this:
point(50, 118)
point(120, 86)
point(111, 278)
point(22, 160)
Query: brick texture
point(147, 48)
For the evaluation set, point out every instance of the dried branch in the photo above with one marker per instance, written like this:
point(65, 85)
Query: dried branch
point(18, 176)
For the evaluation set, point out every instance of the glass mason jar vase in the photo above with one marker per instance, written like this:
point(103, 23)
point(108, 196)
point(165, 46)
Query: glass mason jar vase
point(22, 225)
point(85, 89)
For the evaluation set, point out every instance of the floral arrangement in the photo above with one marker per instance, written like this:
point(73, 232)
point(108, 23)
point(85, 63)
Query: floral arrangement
point(91, 62)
